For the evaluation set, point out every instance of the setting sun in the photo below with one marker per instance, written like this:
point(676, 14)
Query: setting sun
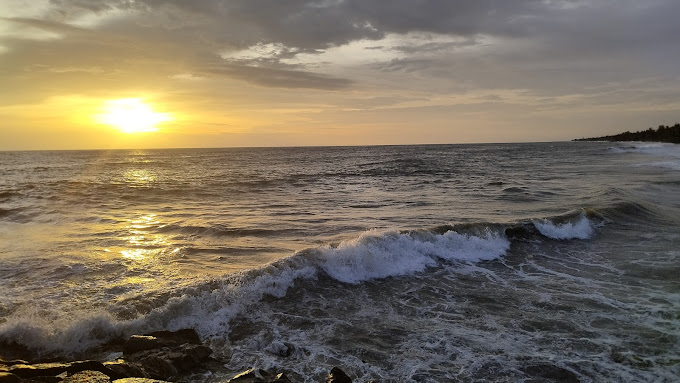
point(131, 115)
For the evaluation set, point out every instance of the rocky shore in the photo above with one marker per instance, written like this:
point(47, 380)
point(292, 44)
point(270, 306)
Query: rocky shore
point(163, 356)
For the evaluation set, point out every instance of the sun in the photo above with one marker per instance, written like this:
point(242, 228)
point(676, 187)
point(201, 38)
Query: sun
point(131, 115)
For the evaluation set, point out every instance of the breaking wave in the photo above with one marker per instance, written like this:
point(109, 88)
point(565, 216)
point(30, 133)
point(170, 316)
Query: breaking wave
point(582, 228)
point(209, 306)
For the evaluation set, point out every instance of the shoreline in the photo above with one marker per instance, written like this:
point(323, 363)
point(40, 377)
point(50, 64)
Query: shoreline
point(663, 134)
point(157, 357)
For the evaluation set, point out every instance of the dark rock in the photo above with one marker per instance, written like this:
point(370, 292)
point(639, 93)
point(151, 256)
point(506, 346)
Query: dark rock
point(121, 369)
point(338, 376)
point(250, 376)
point(26, 371)
point(165, 362)
point(259, 376)
point(163, 354)
point(157, 366)
point(160, 339)
point(189, 357)
point(176, 338)
point(284, 349)
point(138, 343)
point(44, 379)
point(12, 362)
point(198, 351)
point(6, 377)
point(13, 350)
point(88, 365)
point(551, 373)
point(87, 377)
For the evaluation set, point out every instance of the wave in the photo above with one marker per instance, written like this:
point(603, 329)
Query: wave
point(673, 165)
point(658, 148)
point(377, 255)
point(581, 228)
point(8, 194)
point(211, 305)
point(219, 230)
point(17, 214)
point(670, 153)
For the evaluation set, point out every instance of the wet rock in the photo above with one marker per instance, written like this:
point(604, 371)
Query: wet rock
point(338, 376)
point(177, 338)
point(160, 339)
point(259, 376)
point(162, 355)
point(12, 362)
point(121, 369)
point(550, 373)
point(279, 348)
point(88, 365)
point(248, 376)
point(157, 366)
point(165, 363)
point(190, 357)
point(6, 377)
point(13, 350)
point(281, 378)
point(157, 356)
point(87, 377)
point(138, 343)
point(44, 379)
point(27, 371)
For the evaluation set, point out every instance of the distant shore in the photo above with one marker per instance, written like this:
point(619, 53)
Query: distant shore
point(663, 133)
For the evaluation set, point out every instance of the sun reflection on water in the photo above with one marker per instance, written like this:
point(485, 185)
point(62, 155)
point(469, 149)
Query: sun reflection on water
point(139, 178)
point(136, 254)
point(143, 244)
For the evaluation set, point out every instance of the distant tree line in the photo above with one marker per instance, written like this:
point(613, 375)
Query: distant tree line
point(661, 134)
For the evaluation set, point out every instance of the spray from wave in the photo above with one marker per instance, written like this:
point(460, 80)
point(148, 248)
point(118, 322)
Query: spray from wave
point(582, 228)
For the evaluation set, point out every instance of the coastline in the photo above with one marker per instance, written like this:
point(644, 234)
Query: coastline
point(663, 134)
point(157, 357)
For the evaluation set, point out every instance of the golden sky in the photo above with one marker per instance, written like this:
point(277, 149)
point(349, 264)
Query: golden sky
point(221, 73)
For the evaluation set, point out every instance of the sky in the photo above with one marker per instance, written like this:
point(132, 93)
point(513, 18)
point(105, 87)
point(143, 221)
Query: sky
point(223, 73)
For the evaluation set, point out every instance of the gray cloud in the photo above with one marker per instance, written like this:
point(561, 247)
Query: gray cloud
point(551, 47)
point(277, 77)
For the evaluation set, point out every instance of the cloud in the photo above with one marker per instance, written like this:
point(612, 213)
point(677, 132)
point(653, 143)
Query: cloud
point(546, 48)
point(276, 77)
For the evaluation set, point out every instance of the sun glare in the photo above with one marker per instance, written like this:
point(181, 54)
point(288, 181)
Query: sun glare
point(131, 115)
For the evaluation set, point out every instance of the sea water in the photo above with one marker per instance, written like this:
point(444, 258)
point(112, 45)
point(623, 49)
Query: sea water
point(423, 263)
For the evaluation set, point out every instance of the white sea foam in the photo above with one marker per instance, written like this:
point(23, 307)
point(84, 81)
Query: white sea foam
point(670, 153)
point(378, 255)
point(207, 308)
point(580, 229)
point(675, 165)
point(656, 148)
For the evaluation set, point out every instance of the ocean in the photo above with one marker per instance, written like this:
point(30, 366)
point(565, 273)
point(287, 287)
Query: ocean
point(428, 263)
